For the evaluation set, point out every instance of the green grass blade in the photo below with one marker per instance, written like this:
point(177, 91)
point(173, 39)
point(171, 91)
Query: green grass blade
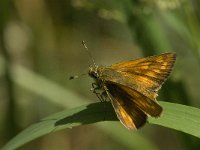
point(179, 117)
point(175, 116)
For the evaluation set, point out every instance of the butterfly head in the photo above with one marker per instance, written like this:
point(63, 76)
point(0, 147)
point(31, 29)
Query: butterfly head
point(93, 72)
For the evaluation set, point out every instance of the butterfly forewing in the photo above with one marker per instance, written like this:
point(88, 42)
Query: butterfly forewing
point(145, 75)
point(149, 72)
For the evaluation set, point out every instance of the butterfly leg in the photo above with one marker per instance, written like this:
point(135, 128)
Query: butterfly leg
point(95, 85)
point(104, 96)
point(99, 97)
point(95, 89)
point(106, 92)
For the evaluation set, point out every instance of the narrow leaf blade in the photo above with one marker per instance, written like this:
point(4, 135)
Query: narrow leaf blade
point(175, 116)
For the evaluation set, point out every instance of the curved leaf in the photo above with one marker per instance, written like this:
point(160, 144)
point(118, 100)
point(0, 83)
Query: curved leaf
point(175, 116)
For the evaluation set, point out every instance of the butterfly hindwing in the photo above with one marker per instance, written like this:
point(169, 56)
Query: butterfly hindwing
point(130, 115)
point(147, 105)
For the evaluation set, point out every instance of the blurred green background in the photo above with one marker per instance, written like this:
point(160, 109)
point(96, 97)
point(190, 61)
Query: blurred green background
point(40, 48)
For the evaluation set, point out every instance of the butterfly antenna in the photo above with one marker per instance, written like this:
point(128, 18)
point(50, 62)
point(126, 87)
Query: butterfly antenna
point(76, 76)
point(90, 55)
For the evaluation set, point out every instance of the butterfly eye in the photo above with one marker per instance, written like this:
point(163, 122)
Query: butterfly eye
point(92, 72)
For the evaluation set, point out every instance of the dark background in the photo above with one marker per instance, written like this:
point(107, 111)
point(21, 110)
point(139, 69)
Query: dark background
point(40, 48)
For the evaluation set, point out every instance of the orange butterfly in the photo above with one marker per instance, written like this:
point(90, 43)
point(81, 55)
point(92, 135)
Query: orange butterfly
point(132, 86)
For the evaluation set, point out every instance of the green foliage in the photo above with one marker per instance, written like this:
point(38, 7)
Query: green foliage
point(175, 116)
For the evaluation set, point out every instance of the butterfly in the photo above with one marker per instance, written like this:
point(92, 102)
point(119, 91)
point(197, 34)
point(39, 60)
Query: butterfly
point(132, 87)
